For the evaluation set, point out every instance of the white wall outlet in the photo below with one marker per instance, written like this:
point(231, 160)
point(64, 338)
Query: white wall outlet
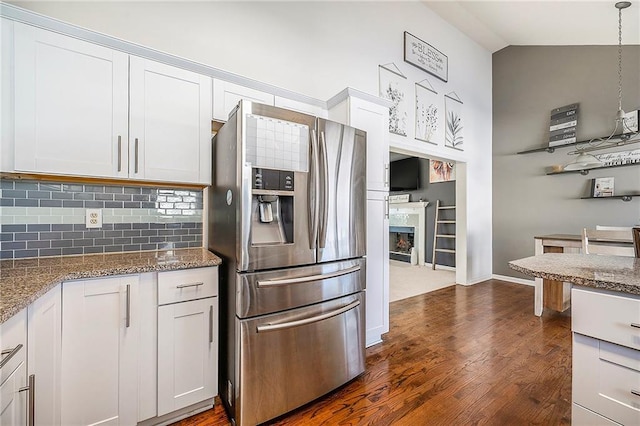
point(93, 218)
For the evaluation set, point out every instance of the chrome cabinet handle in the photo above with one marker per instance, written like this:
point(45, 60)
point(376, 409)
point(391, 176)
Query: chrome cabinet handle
point(635, 392)
point(325, 191)
point(386, 175)
point(128, 320)
point(190, 285)
point(10, 353)
point(136, 156)
point(211, 324)
point(291, 324)
point(31, 399)
point(386, 206)
point(297, 280)
point(119, 153)
point(634, 325)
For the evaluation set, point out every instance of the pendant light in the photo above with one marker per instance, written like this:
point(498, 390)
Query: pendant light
point(620, 115)
point(583, 161)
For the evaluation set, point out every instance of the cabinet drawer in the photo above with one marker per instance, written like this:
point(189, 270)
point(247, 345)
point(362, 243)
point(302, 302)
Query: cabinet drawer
point(13, 343)
point(580, 416)
point(187, 284)
point(606, 379)
point(606, 316)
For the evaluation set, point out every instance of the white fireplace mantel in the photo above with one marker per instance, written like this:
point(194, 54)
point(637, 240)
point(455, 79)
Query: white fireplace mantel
point(411, 214)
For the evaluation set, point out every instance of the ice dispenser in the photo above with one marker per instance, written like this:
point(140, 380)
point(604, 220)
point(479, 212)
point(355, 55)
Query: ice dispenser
point(272, 206)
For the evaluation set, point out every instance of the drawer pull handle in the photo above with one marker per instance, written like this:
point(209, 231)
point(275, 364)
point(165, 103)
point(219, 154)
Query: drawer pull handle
point(189, 285)
point(9, 354)
point(128, 320)
point(210, 323)
point(635, 392)
point(634, 325)
point(31, 404)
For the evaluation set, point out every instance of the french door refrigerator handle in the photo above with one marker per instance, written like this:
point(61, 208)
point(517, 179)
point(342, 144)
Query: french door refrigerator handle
point(325, 193)
point(308, 278)
point(314, 189)
point(318, 318)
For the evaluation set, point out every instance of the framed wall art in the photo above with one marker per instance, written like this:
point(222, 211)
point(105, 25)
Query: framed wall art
point(428, 112)
point(393, 86)
point(426, 57)
point(441, 171)
point(453, 136)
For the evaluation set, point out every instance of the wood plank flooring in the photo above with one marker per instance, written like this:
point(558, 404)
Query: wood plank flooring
point(455, 356)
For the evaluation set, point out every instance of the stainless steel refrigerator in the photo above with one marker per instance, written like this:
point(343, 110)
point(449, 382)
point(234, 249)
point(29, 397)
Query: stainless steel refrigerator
point(287, 216)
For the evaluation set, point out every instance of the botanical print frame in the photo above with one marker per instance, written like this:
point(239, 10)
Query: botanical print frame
point(428, 112)
point(441, 171)
point(453, 137)
point(393, 86)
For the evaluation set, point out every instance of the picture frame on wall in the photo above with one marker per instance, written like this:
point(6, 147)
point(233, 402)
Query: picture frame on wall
point(393, 87)
point(441, 171)
point(422, 55)
point(453, 123)
point(602, 187)
point(428, 112)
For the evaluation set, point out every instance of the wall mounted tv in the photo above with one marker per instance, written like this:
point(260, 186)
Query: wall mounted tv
point(405, 174)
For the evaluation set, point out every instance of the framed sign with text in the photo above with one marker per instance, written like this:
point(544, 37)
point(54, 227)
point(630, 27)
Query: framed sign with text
point(426, 57)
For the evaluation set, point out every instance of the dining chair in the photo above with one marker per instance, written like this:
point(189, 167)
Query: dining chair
point(636, 240)
point(611, 242)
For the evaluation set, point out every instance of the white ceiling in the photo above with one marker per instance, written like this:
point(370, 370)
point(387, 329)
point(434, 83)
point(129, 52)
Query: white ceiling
point(497, 24)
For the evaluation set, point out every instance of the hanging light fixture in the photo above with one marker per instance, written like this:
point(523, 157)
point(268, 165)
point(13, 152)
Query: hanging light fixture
point(620, 115)
point(583, 161)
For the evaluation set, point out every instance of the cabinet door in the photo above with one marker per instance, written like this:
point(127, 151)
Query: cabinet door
point(70, 105)
point(13, 403)
point(187, 353)
point(227, 95)
point(170, 128)
point(377, 314)
point(373, 119)
point(44, 350)
point(99, 351)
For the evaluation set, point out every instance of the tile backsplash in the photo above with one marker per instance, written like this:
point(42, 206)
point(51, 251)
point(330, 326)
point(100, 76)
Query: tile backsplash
point(48, 218)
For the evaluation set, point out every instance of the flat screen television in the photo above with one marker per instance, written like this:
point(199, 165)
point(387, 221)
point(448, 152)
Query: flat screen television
point(405, 174)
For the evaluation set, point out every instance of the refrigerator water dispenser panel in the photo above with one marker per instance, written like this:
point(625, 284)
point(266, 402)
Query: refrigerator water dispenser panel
point(277, 144)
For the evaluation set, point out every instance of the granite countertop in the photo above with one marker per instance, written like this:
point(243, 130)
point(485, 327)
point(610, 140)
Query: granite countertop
point(615, 273)
point(22, 281)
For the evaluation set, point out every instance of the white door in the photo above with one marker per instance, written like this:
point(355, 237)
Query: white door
point(377, 313)
point(13, 403)
point(187, 353)
point(373, 119)
point(99, 351)
point(45, 346)
point(170, 123)
point(227, 95)
point(70, 105)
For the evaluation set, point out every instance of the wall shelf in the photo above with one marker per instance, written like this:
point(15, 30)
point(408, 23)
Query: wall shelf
point(585, 172)
point(621, 139)
point(624, 197)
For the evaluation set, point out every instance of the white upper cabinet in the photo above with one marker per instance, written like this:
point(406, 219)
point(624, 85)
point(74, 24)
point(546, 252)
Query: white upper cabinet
point(170, 129)
point(70, 104)
point(86, 110)
point(226, 96)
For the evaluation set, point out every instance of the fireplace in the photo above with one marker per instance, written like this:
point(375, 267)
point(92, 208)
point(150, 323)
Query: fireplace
point(401, 241)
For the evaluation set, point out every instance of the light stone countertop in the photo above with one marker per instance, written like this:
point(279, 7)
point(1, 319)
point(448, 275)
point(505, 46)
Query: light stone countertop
point(614, 273)
point(22, 281)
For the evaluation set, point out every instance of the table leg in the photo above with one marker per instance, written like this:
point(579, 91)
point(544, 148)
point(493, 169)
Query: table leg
point(538, 297)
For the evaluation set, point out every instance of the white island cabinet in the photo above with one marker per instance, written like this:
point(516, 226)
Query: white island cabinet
point(13, 371)
point(100, 325)
point(87, 110)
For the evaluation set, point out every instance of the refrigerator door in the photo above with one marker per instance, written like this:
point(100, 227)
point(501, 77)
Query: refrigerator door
point(342, 196)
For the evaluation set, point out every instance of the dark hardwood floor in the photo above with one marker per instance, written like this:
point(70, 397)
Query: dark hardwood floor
point(456, 356)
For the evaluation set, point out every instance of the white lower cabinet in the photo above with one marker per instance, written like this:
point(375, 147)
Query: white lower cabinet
point(99, 351)
point(13, 371)
point(13, 402)
point(377, 292)
point(187, 353)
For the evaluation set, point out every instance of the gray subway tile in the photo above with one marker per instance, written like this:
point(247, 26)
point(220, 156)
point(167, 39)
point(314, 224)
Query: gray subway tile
point(166, 232)
point(122, 226)
point(93, 250)
point(50, 252)
point(61, 243)
point(175, 225)
point(83, 242)
point(31, 186)
point(131, 233)
point(113, 233)
point(148, 247)
point(112, 249)
point(198, 224)
point(72, 188)
point(61, 227)
point(38, 244)
point(79, 227)
point(25, 203)
point(6, 254)
point(157, 226)
point(140, 240)
point(103, 241)
point(199, 238)
point(149, 233)
point(54, 235)
point(94, 188)
point(6, 184)
point(6, 236)
point(142, 197)
point(140, 226)
point(13, 245)
point(74, 235)
point(37, 227)
point(94, 204)
point(73, 203)
point(181, 245)
point(181, 232)
point(121, 197)
point(25, 253)
point(120, 241)
point(50, 203)
point(72, 250)
point(6, 202)
point(176, 239)
point(148, 205)
point(156, 239)
point(132, 247)
point(188, 225)
point(50, 186)
point(195, 244)
point(188, 238)
point(132, 190)
point(195, 231)
point(26, 236)
point(39, 195)
point(83, 196)
point(61, 195)
point(113, 204)
point(113, 189)
point(148, 191)
point(107, 226)
point(132, 205)
point(104, 197)
point(93, 234)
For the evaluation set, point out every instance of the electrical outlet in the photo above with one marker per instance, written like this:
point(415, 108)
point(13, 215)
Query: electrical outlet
point(93, 218)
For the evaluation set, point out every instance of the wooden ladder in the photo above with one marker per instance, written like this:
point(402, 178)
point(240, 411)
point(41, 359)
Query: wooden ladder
point(441, 237)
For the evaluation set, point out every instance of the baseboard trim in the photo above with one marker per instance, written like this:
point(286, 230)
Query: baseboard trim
point(513, 279)
point(445, 267)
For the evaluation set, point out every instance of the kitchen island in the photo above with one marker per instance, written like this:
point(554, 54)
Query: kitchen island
point(605, 325)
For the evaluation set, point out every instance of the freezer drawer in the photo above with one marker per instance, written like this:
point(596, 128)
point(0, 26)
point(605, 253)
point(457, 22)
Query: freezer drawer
point(288, 359)
point(272, 291)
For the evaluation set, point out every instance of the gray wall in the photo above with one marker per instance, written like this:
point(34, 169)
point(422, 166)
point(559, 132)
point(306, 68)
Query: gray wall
point(528, 82)
point(446, 193)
